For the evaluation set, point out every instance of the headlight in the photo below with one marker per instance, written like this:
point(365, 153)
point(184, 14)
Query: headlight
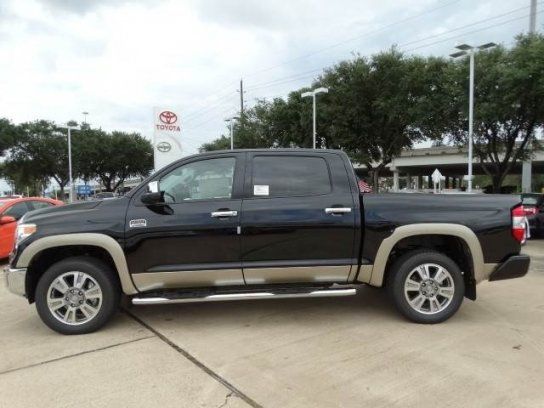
point(23, 231)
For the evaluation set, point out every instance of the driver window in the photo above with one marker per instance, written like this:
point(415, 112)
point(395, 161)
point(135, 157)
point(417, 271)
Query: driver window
point(202, 180)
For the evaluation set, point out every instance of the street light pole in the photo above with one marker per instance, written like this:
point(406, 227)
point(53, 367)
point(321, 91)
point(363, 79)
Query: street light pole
point(70, 165)
point(527, 165)
point(314, 131)
point(231, 135)
point(470, 118)
point(313, 94)
point(469, 50)
point(231, 127)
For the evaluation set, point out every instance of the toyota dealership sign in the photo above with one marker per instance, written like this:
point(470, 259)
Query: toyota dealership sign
point(166, 136)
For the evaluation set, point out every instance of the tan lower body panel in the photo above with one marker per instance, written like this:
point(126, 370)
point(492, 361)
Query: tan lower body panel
point(257, 276)
point(229, 277)
point(365, 273)
point(187, 279)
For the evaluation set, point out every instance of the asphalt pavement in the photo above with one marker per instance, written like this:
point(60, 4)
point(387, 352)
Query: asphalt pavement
point(348, 352)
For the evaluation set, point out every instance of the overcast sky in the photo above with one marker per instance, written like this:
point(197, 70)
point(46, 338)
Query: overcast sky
point(117, 59)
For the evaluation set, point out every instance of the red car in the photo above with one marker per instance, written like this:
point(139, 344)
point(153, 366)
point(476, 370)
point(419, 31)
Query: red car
point(11, 210)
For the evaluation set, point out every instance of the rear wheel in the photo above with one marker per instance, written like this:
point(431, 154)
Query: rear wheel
point(77, 295)
point(426, 286)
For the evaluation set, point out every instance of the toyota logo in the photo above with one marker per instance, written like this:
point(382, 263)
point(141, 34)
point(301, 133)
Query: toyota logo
point(164, 147)
point(168, 117)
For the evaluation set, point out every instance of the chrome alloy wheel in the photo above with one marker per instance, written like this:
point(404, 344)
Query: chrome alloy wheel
point(429, 288)
point(74, 298)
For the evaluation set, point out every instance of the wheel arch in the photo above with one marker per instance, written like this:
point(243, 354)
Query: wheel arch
point(99, 245)
point(477, 268)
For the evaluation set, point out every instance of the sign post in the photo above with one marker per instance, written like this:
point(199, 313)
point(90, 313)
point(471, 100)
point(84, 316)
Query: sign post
point(166, 137)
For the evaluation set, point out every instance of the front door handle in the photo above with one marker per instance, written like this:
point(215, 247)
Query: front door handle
point(337, 210)
point(221, 214)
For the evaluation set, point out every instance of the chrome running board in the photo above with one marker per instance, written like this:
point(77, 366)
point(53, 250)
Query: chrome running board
point(158, 300)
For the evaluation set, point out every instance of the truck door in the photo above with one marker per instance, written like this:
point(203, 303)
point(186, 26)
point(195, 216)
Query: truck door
point(298, 218)
point(191, 239)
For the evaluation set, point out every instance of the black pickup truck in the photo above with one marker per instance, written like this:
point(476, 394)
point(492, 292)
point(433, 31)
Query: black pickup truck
point(262, 224)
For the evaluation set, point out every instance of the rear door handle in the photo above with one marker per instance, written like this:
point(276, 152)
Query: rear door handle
point(221, 214)
point(337, 210)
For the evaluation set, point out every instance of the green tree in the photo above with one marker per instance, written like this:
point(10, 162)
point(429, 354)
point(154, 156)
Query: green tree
point(379, 106)
point(86, 152)
point(8, 135)
point(268, 124)
point(38, 154)
point(118, 156)
point(375, 108)
point(509, 105)
point(223, 143)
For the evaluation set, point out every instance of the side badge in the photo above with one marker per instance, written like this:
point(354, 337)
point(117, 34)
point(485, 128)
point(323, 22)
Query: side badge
point(142, 222)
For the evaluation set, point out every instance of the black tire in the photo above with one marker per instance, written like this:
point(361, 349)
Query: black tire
point(404, 267)
point(101, 273)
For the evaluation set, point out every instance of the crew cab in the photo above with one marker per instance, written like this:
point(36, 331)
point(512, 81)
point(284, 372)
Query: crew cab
point(262, 224)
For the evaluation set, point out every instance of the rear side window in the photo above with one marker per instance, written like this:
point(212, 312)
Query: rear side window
point(281, 176)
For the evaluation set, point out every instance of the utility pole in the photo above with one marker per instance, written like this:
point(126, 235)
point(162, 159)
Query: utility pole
point(532, 20)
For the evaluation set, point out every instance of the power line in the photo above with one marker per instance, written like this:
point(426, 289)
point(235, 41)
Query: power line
point(205, 109)
point(468, 32)
point(214, 94)
point(208, 120)
point(299, 76)
point(464, 26)
point(208, 107)
point(263, 84)
point(365, 35)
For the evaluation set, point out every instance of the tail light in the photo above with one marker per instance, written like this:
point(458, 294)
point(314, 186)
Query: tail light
point(530, 210)
point(519, 224)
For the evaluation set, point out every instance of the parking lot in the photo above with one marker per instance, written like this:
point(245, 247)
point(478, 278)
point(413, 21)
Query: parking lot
point(353, 352)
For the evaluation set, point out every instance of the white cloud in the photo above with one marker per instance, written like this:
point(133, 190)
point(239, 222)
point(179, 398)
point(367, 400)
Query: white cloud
point(118, 59)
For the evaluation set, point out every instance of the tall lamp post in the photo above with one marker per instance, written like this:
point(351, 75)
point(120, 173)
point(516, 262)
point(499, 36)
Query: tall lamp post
point(313, 93)
point(231, 127)
point(70, 180)
point(465, 49)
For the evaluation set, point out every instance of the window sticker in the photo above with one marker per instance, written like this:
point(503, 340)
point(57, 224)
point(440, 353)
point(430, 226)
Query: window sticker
point(261, 190)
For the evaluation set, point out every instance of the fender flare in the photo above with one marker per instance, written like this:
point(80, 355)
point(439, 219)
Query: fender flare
point(460, 231)
point(90, 239)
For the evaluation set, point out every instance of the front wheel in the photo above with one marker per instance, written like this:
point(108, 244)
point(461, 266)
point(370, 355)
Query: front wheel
point(426, 286)
point(77, 295)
